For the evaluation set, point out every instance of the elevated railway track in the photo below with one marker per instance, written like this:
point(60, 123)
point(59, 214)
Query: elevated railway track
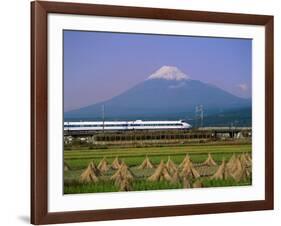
point(205, 133)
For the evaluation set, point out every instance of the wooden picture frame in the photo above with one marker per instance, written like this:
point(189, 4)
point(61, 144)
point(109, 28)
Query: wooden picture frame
point(39, 111)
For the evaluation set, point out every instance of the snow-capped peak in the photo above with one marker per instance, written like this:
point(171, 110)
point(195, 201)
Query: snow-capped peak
point(169, 73)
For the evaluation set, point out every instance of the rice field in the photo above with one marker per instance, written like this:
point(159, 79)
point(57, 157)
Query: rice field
point(78, 161)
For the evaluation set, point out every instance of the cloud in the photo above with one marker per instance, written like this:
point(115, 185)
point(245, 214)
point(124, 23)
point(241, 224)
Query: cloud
point(243, 87)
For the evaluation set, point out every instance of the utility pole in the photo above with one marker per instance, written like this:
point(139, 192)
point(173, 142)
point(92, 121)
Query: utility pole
point(103, 118)
point(199, 112)
point(195, 118)
point(202, 115)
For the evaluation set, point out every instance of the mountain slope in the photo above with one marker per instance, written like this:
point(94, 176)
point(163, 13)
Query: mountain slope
point(167, 94)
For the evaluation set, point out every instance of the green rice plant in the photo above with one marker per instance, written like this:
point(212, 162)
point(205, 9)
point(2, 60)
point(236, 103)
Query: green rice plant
point(74, 187)
point(143, 185)
point(225, 183)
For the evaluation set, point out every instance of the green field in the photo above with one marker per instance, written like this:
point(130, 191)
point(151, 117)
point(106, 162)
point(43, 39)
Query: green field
point(78, 161)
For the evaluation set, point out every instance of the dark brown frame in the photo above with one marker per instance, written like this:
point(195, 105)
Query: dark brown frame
point(39, 107)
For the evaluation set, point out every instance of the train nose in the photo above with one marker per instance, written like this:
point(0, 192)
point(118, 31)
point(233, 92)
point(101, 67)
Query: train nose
point(186, 125)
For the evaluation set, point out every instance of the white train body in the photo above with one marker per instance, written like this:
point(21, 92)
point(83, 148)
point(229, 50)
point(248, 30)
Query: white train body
point(125, 125)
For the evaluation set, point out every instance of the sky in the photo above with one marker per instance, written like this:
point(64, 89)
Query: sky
point(101, 65)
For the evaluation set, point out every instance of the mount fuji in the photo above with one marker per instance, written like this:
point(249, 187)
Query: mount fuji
point(166, 94)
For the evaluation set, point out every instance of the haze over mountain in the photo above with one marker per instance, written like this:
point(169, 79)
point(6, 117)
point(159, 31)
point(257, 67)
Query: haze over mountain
point(166, 94)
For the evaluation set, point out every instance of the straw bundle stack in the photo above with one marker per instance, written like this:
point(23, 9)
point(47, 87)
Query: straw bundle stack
point(123, 177)
point(146, 164)
point(103, 166)
point(161, 173)
point(90, 174)
point(222, 172)
point(249, 158)
point(238, 173)
point(171, 166)
point(185, 161)
point(125, 185)
point(245, 161)
point(186, 183)
point(231, 164)
point(116, 163)
point(188, 171)
point(175, 178)
point(241, 171)
point(210, 161)
point(123, 173)
point(235, 168)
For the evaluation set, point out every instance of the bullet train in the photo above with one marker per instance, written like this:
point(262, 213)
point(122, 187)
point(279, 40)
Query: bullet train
point(125, 125)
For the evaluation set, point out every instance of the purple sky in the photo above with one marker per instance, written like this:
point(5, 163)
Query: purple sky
point(100, 65)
